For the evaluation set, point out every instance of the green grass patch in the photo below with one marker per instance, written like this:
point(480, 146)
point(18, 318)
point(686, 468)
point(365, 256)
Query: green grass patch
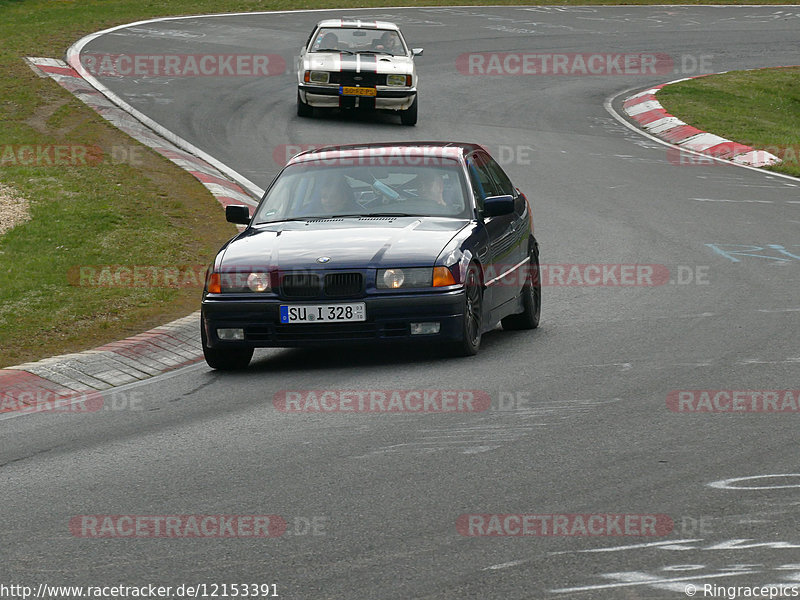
point(758, 108)
point(150, 213)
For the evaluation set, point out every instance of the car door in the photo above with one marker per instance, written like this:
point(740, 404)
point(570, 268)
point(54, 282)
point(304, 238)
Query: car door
point(503, 251)
point(521, 225)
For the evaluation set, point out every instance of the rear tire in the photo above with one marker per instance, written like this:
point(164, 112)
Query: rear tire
point(303, 109)
point(473, 314)
point(231, 359)
point(409, 116)
point(531, 298)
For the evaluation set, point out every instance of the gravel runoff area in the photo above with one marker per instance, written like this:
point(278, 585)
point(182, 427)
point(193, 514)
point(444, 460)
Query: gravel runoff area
point(13, 208)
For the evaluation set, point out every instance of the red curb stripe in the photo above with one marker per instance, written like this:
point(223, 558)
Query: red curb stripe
point(650, 116)
point(206, 178)
point(634, 101)
point(680, 133)
point(727, 150)
point(14, 382)
point(59, 70)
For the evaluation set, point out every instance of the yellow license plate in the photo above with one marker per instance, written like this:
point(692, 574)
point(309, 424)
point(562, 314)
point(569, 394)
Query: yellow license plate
point(357, 91)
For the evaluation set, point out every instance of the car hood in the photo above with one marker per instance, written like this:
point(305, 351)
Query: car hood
point(368, 63)
point(357, 242)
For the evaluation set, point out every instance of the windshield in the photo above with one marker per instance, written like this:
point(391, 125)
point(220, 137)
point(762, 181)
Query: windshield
point(314, 190)
point(358, 40)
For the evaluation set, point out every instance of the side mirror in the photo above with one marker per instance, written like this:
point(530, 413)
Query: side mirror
point(416, 51)
point(237, 213)
point(495, 206)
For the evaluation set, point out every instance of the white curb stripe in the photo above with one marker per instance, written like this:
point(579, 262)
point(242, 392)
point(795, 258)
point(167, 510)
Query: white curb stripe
point(664, 124)
point(696, 143)
point(702, 141)
point(643, 107)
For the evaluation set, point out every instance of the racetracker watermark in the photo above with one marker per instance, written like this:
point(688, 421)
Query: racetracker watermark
point(183, 65)
point(389, 156)
point(727, 150)
point(734, 401)
point(177, 526)
point(138, 276)
point(69, 401)
point(572, 63)
point(69, 155)
point(543, 525)
point(504, 154)
point(382, 401)
point(596, 275)
point(50, 155)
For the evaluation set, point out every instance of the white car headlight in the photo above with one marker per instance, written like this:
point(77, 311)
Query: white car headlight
point(317, 77)
point(398, 80)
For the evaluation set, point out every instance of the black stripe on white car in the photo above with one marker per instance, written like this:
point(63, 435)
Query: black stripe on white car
point(368, 63)
point(348, 62)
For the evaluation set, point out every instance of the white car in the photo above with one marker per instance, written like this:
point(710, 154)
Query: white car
point(357, 64)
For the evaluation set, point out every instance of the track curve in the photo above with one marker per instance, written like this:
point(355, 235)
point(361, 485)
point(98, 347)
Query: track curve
point(586, 426)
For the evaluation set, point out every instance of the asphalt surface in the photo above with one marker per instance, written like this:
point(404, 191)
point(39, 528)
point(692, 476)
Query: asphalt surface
point(579, 421)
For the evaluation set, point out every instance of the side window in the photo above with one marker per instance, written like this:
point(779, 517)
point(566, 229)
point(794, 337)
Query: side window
point(483, 185)
point(475, 183)
point(504, 185)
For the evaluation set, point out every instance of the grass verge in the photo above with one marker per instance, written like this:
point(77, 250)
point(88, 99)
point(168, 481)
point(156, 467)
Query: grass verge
point(759, 108)
point(113, 212)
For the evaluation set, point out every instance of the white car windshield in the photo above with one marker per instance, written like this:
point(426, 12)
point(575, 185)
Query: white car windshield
point(316, 190)
point(358, 40)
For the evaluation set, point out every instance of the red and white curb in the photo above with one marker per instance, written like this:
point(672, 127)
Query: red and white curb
point(224, 190)
point(647, 111)
point(54, 384)
point(48, 384)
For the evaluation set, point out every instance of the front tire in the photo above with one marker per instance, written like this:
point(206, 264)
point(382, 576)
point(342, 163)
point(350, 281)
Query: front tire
point(303, 109)
point(531, 298)
point(231, 359)
point(473, 314)
point(409, 116)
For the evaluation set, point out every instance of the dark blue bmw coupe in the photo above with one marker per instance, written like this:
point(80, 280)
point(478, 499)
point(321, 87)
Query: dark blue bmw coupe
point(375, 243)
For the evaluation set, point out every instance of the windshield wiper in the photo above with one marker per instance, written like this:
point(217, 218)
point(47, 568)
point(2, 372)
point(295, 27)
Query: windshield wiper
point(391, 214)
point(334, 50)
point(283, 220)
point(375, 52)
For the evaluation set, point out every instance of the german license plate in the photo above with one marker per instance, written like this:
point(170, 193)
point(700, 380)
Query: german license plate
point(323, 313)
point(357, 91)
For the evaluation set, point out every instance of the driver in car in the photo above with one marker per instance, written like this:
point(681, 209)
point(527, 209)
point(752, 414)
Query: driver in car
point(335, 197)
point(388, 42)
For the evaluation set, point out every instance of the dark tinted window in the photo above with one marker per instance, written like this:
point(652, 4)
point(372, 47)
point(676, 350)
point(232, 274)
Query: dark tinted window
point(483, 185)
point(503, 183)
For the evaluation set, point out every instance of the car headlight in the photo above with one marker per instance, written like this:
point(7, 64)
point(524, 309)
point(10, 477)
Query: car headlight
point(398, 80)
point(317, 77)
point(392, 279)
point(258, 282)
point(217, 283)
point(404, 278)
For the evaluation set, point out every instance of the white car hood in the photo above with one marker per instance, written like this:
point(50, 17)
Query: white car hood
point(366, 63)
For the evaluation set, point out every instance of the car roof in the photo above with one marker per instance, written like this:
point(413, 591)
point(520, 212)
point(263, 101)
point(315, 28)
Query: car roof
point(387, 150)
point(356, 23)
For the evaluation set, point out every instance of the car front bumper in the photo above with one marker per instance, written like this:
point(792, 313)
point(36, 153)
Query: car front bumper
point(322, 96)
point(388, 320)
